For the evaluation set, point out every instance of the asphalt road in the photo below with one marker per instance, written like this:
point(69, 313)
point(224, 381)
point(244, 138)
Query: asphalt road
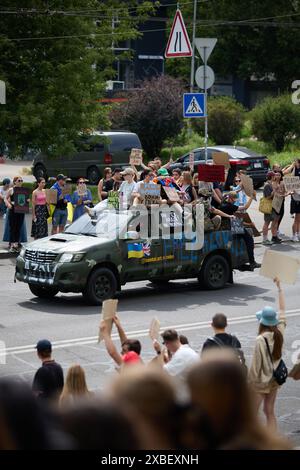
point(73, 327)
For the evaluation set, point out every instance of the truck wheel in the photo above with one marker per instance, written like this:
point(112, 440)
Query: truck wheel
point(93, 175)
point(101, 285)
point(43, 292)
point(40, 171)
point(214, 273)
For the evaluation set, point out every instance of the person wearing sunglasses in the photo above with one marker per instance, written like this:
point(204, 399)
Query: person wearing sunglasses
point(16, 219)
point(81, 197)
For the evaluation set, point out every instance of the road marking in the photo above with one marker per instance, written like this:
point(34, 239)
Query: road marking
point(67, 343)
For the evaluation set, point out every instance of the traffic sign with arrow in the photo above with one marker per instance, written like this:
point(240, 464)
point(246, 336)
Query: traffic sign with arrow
point(179, 43)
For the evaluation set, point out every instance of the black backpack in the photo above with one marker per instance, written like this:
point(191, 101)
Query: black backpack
point(234, 345)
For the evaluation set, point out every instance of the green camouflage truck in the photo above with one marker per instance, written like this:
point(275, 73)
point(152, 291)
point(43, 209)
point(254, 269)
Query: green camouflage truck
point(92, 258)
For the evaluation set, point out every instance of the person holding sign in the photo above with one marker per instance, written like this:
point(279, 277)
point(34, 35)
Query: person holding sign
point(295, 204)
point(267, 357)
point(16, 219)
point(81, 197)
point(60, 213)
point(40, 211)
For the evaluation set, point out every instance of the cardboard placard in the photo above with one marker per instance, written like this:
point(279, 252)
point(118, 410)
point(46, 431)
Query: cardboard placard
point(247, 183)
point(276, 264)
point(277, 202)
point(66, 190)
point(248, 222)
point(136, 157)
point(21, 204)
point(221, 158)
point(154, 329)
point(192, 161)
point(113, 200)
point(211, 173)
point(150, 193)
point(291, 183)
point(51, 196)
point(237, 226)
point(109, 309)
point(172, 194)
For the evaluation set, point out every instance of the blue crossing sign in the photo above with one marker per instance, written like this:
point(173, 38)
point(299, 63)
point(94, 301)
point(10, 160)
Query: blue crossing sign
point(193, 105)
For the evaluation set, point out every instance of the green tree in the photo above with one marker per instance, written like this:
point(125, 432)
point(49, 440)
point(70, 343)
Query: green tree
point(154, 112)
point(254, 38)
point(55, 61)
point(276, 121)
point(226, 120)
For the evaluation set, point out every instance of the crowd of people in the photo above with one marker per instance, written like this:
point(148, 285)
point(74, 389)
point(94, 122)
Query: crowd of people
point(181, 399)
point(220, 206)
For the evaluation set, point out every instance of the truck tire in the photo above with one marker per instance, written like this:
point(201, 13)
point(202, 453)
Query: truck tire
point(93, 175)
point(215, 272)
point(40, 171)
point(43, 292)
point(101, 285)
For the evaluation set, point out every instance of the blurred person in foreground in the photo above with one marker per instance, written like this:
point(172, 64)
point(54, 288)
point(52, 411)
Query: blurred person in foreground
point(218, 386)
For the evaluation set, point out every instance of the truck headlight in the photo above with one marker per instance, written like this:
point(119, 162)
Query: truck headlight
point(71, 257)
point(22, 253)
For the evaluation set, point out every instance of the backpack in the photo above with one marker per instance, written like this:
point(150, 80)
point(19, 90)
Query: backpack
point(234, 345)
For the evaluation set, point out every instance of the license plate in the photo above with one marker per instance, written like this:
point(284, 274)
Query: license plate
point(257, 165)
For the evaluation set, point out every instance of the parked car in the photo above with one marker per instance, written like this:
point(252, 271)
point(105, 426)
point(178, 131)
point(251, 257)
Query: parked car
point(96, 152)
point(92, 257)
point(241, 158)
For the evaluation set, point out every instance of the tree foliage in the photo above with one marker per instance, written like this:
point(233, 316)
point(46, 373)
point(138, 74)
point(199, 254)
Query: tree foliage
point(226, 120)
point(154, 112)
point(254, 38)
point(276, 121)
point(55, 59)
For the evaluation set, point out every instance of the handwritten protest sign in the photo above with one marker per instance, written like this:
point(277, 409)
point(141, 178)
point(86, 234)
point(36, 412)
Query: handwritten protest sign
point(66, 190)
point(150, 193)
point(277, 202)
point(172, 194)
point(154, 329)
point(221, 158)
point(211, 173)
point(51, 196)
point(113, 200)
point(291, 183)
point(192, 161)
point(136, 157)
point(109, 310)
point(276, 264)
point(247, 183)
point(21, 196)
point(248, 222)
point(237, 226)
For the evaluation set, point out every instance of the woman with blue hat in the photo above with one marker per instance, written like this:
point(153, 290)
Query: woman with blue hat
point(267, 356)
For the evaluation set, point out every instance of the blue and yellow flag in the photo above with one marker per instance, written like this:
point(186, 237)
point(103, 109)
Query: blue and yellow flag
point(135, 250)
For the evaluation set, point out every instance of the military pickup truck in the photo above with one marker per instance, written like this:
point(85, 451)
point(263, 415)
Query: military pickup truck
point(92, 258)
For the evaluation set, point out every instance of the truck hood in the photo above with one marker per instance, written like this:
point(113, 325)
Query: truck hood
point(66, 243)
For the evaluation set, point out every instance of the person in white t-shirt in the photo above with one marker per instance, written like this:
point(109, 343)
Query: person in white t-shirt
point(3, 192)
point(182, 355)
point(127, 188)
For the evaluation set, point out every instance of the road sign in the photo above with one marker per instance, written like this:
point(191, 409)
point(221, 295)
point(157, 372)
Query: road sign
point(205, 46)
point(179, 43)
point(193, 105)
point(210, 77)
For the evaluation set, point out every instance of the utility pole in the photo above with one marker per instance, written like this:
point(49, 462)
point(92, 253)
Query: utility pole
point(193, 48)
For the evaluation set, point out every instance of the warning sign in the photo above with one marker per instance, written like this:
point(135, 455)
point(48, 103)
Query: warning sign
point(179, 43)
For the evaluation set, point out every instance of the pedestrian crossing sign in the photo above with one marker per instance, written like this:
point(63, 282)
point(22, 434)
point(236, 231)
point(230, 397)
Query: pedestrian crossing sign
point(193, 105)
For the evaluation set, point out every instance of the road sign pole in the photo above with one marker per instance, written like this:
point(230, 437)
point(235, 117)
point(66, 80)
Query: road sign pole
point(193, 48)
point(205, 106)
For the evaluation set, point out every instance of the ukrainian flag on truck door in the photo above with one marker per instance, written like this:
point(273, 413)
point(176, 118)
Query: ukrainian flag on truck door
point(135, 250)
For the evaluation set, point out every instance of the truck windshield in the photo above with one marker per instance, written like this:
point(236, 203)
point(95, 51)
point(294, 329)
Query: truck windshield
point(108, 225)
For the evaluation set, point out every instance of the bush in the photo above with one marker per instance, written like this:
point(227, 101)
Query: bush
point(276, 121)
point(225, 120)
